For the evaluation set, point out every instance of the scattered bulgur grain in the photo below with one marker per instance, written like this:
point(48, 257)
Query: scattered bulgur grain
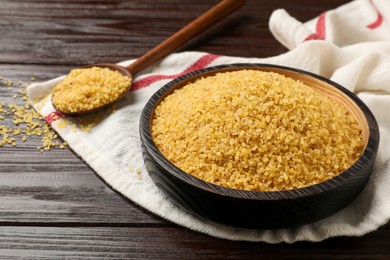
point(86, 89)
point(138, 172)
point(25, 120)
point(85, 123)
point(255, 130)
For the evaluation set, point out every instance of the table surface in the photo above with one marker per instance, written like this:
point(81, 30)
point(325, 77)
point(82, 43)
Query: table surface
point(52, 204)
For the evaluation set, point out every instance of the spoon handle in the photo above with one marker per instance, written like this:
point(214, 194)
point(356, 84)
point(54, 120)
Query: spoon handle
point(209, 18)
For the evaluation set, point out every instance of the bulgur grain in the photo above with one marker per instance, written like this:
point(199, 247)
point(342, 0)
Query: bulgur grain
point(25, 120)
point(89, 88)
point(255, 130)
point(84, 123)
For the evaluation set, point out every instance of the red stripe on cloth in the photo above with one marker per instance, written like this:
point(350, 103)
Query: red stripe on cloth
point(379, 18)
point(199, 64)
point(53, 116)
point(320, 33)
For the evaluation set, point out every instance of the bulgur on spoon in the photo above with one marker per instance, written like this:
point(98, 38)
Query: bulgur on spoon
point(97, 86)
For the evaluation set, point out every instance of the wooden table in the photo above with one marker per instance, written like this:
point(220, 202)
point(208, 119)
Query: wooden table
point(52, 204)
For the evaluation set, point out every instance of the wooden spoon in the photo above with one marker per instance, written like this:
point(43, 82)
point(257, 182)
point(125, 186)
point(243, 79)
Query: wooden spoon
point(209, 18)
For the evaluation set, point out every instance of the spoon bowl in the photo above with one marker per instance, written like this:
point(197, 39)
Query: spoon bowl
point(124, 71)
point(203, 22)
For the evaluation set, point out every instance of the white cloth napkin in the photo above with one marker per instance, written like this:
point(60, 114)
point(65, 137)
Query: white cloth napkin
point(349, 45)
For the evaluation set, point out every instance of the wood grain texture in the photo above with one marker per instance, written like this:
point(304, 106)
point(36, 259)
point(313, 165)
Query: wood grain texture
point(52, 205)
point(171, 243)
point(212, 16)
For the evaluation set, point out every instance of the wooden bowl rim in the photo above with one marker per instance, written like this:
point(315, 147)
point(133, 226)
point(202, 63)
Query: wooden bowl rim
point(367, 157)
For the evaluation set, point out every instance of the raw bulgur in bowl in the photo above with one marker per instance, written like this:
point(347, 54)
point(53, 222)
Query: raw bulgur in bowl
point(258, 146)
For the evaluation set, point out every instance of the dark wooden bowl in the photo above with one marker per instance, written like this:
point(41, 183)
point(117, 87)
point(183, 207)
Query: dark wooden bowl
point(253, 209)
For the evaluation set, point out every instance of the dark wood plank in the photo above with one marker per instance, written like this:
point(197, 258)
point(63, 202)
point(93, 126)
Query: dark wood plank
point(171, 243)
point(79, 32)
point(64, 191)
